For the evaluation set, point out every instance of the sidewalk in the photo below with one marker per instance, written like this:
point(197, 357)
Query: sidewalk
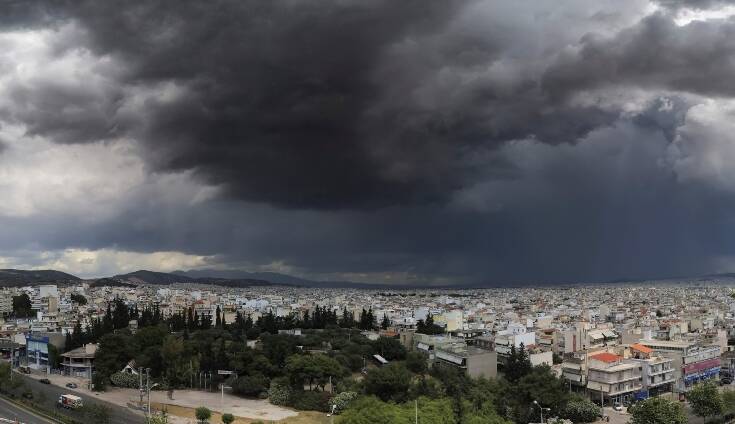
point(240, 407)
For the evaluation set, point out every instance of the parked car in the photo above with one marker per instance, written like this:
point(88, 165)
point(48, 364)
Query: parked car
point(44, 381)
point(24, 370)
point(618, 407)
point(71, 385)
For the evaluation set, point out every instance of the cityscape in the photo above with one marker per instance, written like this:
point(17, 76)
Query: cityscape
point(367, 211)
point(589, 352)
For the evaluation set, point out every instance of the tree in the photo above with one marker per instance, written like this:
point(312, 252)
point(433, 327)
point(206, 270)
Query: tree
point(416, 362)
point(390, 348)
point(428, 326)
point(705, 400)
point(22, 307)
point(581, 410)
point(370, 410)
point(251, 385)
point(78, 299)
point(228, 418)
point(728, 400)
point(203, 414)
point(385, 323)
point(312, 369)
point(657, 411)
point(54, 359)
point(390, 382)
point(518, 364)
point(539, 384)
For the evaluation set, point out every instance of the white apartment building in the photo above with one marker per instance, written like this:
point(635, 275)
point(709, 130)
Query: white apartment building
point(613, 379)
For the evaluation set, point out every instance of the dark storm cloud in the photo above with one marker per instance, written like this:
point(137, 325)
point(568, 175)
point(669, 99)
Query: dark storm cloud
point(475, 141)
point(693, 4)
point(654, 54)
point(325, 105)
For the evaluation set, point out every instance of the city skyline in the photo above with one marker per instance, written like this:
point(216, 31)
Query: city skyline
point(426, 143)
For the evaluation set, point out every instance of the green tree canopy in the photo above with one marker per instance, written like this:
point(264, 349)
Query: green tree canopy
point(313, 370)
point(22, 307)
point(657, 410)
point(389, 348)
point(705, 400)
point(390, 382)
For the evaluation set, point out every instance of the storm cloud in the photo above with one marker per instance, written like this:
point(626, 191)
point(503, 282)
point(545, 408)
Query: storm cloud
point(468, 141)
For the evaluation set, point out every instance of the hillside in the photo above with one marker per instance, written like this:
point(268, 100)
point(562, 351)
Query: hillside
point(19, 277)
point(164, 278)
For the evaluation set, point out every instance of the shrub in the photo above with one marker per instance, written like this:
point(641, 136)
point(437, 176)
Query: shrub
point(125, 380)
point(280, 392)
point(203, 414)
point(312, 401)
point(342, 400)
point(228, 418)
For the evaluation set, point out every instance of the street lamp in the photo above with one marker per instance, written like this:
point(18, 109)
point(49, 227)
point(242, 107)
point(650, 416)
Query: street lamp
point(541, 409)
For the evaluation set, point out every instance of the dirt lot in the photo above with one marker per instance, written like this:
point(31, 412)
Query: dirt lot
point(181, 415)
point(185, 401)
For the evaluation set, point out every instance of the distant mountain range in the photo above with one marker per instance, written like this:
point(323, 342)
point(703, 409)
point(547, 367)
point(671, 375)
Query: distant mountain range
point(164, 278)
point(238, 278)
point(226, 278)
point(20, 277)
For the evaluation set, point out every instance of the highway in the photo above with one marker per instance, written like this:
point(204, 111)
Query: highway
point(47, 394)
point(10, 411)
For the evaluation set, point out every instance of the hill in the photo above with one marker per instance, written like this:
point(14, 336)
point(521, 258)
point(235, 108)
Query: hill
point(164, 278)
point(20, 277)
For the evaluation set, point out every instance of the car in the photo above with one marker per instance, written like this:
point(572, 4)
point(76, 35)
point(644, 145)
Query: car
point(71, 385)
point(44, 381)
point(618, 407)
point(28, 394)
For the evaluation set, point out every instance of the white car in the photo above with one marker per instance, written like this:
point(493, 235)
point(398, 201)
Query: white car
point(618, 407)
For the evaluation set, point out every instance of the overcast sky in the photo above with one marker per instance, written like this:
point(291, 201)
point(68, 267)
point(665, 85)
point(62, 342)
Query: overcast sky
point(414, 141)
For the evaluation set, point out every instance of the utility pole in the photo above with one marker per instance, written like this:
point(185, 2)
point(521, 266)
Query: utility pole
point(148, 387)
point(140, 386)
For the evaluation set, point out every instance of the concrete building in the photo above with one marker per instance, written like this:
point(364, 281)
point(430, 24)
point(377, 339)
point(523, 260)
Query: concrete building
point(692, 363)
point(613, 379)
point(80, 361)
point(474, 361)
point(657, 371)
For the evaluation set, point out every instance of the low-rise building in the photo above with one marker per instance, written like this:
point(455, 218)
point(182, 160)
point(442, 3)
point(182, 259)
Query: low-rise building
point(79, 362)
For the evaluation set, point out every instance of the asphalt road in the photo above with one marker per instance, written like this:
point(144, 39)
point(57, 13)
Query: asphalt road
point(46, 395)
point(9, 411)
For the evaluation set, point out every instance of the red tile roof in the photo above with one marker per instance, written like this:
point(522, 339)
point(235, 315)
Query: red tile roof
point(640, 348)
point(606, 357)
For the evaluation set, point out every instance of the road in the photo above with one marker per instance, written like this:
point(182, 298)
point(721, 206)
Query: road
point(46, 395)
point(10, 411)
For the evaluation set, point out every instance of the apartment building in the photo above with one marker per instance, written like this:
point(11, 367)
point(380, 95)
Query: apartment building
point(6, 302)
point(613, 379)
point(657, 371)
point(692, 363)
